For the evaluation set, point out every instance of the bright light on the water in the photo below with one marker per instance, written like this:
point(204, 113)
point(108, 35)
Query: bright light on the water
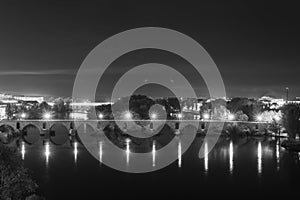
point(101, 116)
point(23, 150)
point(205, 157)
point(127, 150)
point(259, 158)
point(231, 157)
point(153, 153)
point(278, 155)
point(47, 152)
point(179, 154)
point(100, 151)
point(75, 151)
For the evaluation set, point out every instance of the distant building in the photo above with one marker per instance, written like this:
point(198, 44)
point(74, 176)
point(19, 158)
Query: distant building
point(271, 102)
point(3, 111)
point(79, 115)
point(38, 99)
point(296, 100)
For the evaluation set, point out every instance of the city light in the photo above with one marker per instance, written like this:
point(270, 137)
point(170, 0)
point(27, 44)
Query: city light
point(47, 115)
point(101, 116)
point(259, 118)
point(153, 116)
point(206, 116)
point(128, 115)
point(277, 118)
point(180, 116)
point(23, 115)
point(231, 117)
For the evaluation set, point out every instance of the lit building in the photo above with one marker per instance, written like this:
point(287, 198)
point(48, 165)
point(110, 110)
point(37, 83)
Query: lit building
point(272, 103)
point(39, 99)
point(3, 111)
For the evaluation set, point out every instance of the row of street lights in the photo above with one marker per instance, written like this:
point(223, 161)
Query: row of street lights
point(153, 116)
point(128, 116)
point(46, 115)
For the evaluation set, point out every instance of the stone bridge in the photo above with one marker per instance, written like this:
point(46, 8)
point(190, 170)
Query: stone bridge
point(62, 130)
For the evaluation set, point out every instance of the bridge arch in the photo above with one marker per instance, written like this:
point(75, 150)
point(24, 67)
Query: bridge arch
point(7, 134)
point(31, 133)
point(58, 133)
point(85, 128)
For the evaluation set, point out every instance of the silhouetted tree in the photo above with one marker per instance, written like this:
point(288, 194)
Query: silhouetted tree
point(250, 107)
point(240, 116)
point(61, 109)
point(9, 111)
point(290, 119)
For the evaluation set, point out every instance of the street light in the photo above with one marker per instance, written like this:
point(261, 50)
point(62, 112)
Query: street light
point(23, 115)
point(101, 116)
point(47, 115)
point(206, 116)
point(287, 94)
point(128, 115)
point(180, 116)
point(153, 116)
point(231, 117)
point(259, 118)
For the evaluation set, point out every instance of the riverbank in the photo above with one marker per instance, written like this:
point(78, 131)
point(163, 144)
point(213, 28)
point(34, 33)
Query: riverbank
point(291, 145)
point(15, 179)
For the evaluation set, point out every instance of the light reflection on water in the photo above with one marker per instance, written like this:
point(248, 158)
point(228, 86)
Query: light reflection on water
point(259, 158)
point(75, 151)
point(206, 157)
point(231, 157)
point(47, 152)
point(179, 154)
point(100, 151)
point(127, 151)
point(23, 150)
point(278, 154)
point(245, 158)
point(153, 153)
point(226, 151)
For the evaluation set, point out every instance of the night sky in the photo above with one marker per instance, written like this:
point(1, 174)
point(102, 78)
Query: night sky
point(255, 45)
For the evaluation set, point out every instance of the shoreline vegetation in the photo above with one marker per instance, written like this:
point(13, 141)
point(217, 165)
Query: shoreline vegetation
point(15, 180)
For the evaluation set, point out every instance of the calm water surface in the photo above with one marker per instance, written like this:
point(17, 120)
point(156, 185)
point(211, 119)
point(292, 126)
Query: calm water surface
point(247, 167)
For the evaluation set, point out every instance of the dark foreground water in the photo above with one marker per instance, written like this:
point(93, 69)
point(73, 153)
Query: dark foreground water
point(234, 168)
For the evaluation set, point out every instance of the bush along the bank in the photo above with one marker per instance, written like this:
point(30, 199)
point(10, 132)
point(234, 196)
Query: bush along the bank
point(15, 181)
point(237, 130)
point(291, 123)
